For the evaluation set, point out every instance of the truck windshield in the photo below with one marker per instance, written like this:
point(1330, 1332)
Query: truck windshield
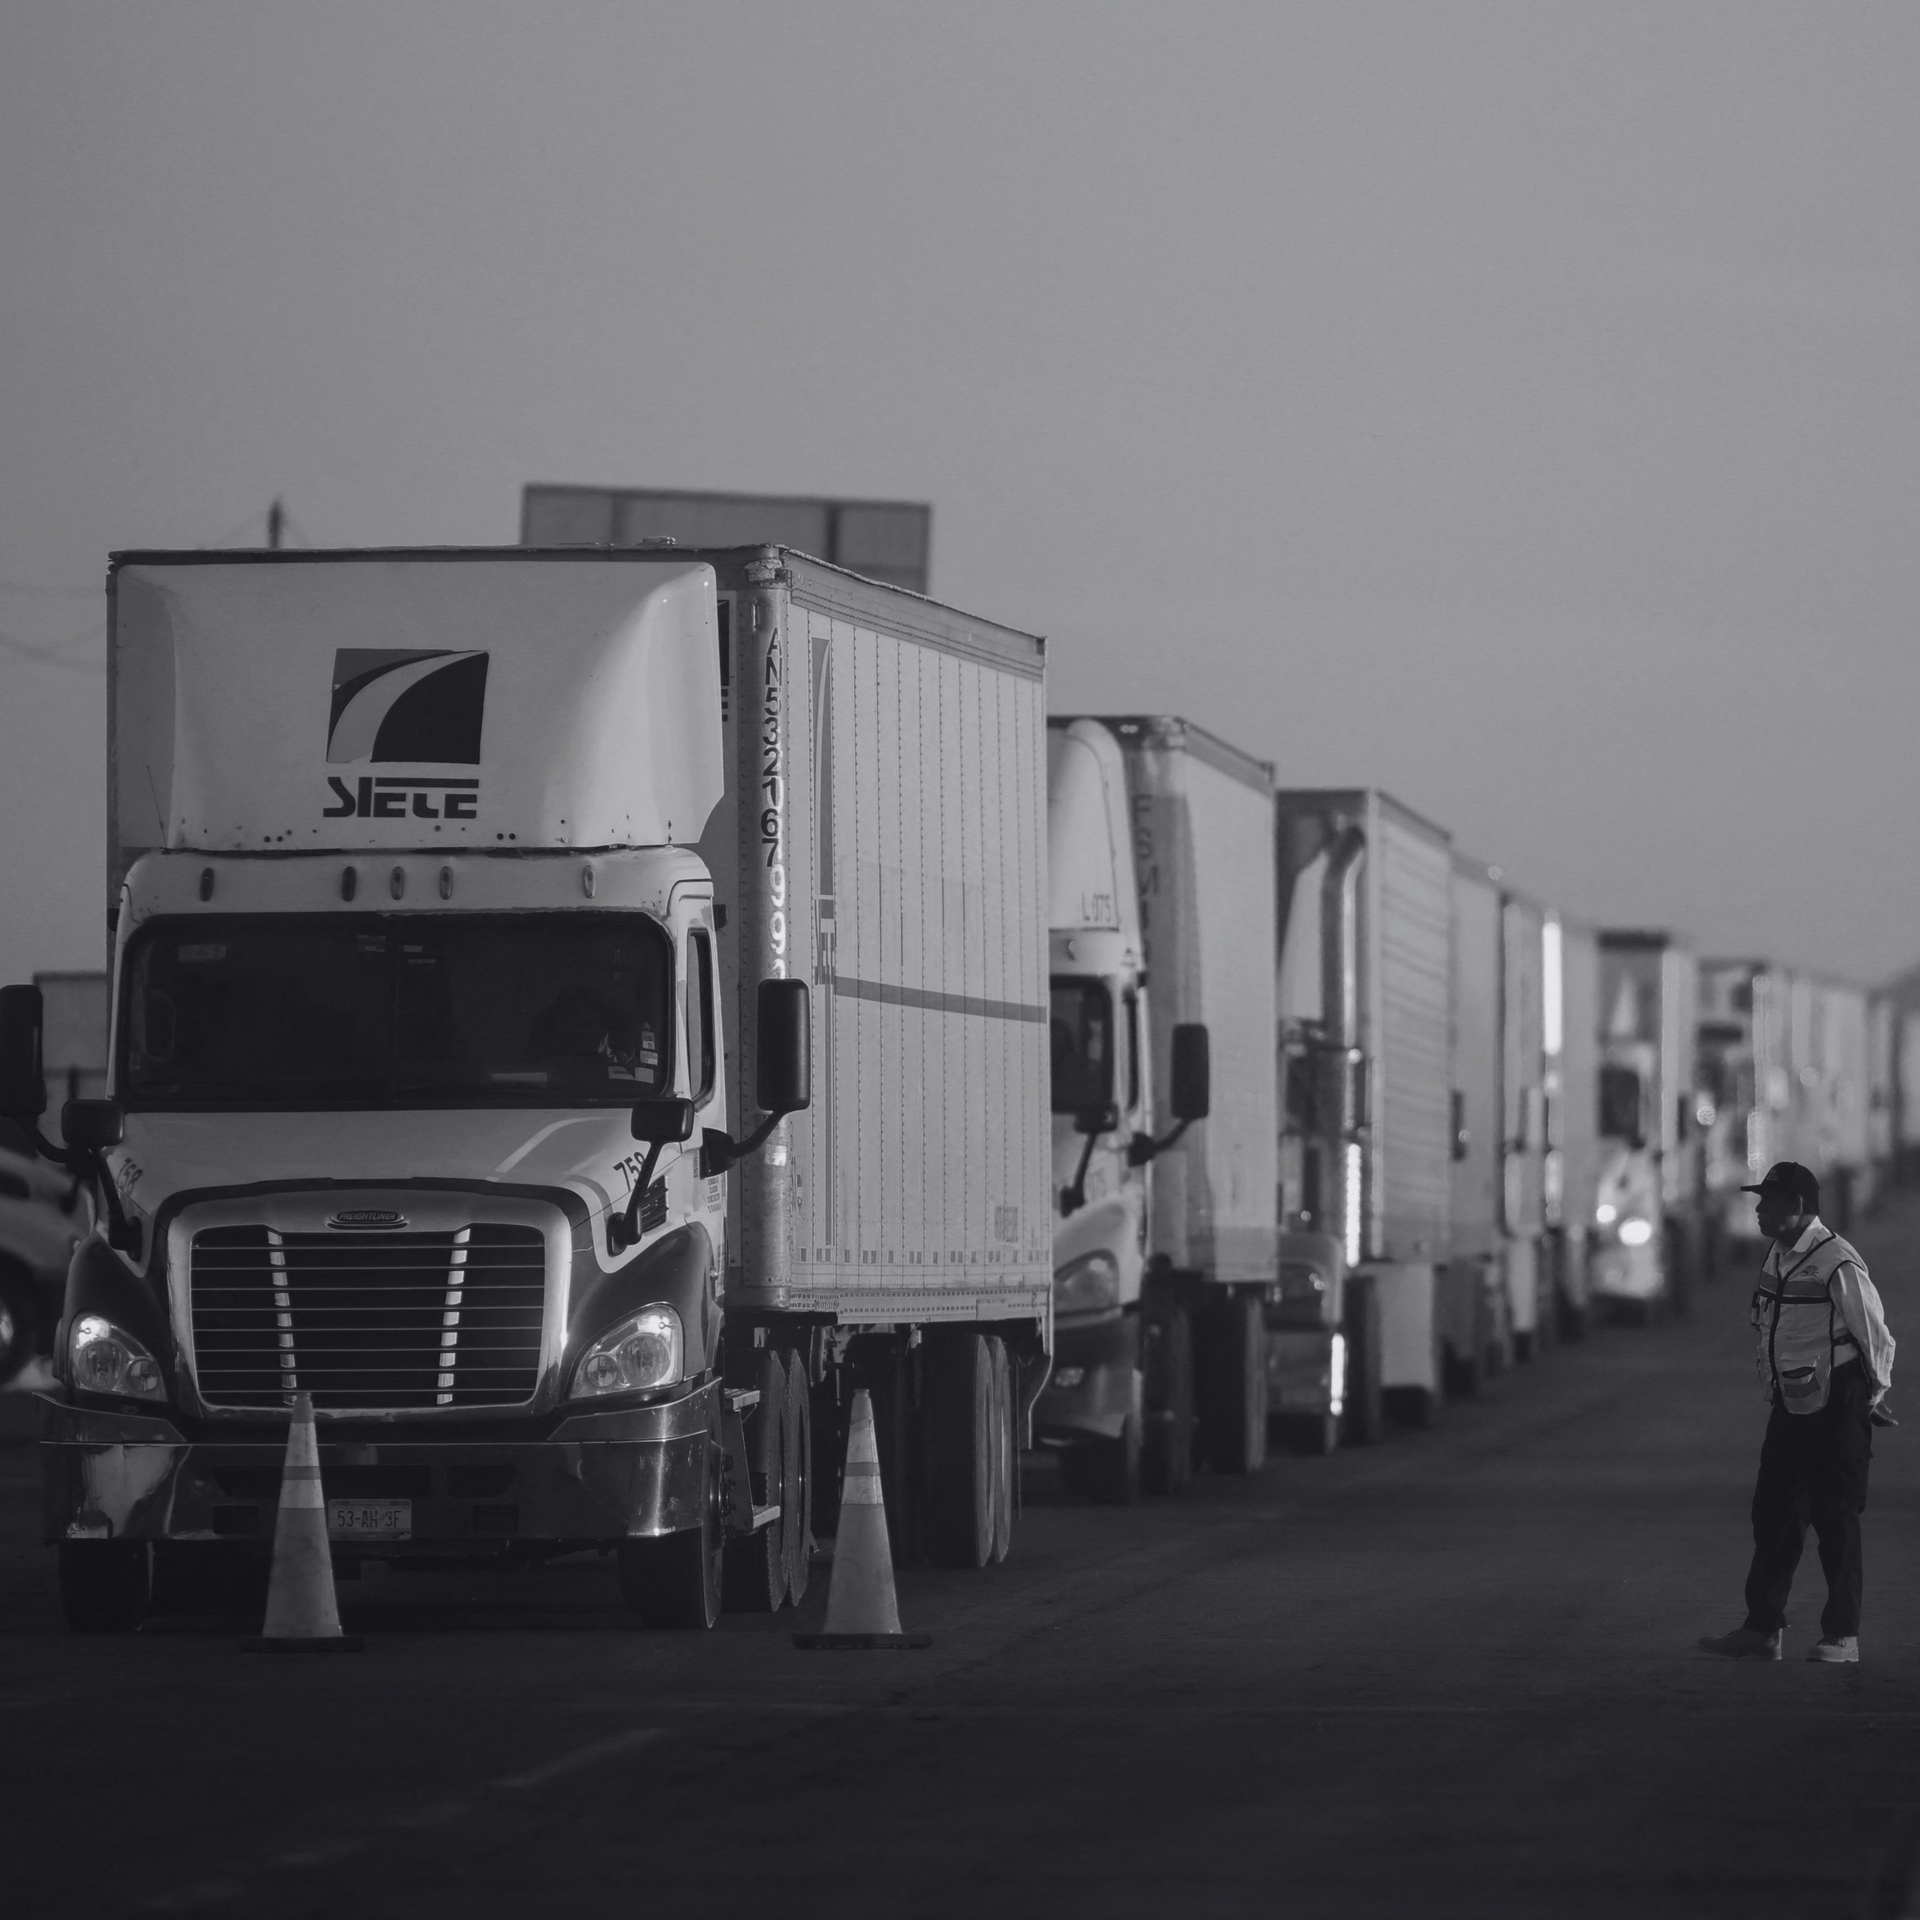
point(397, 1010)
point(1082, 1045)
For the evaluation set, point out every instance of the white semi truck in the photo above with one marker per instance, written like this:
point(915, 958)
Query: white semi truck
point(1649, 1219)
point(1365, 981)
point(1160, 1261)
point(1570, 1037)
point(576, 1013)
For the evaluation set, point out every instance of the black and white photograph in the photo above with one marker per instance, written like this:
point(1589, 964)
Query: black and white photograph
point(959, 960)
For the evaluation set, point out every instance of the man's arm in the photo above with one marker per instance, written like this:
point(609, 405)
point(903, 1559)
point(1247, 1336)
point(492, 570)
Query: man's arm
point(1859, 1303)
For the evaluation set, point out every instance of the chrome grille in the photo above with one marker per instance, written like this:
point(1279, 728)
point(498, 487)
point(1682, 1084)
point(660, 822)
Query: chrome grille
point(374, 1320)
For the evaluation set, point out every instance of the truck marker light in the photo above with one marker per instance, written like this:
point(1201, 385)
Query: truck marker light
point(349, 883)
point(206, 883)
point(397, 885)
point(1353, 1203)
point(586, 880)
point(446, 883)
point(1605, 1214)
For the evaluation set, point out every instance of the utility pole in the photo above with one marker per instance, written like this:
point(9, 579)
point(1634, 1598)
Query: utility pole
point(276, 519)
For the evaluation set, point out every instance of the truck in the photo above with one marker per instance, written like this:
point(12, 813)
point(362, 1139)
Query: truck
point(577, 1015)
point(1499, 1125)
point(1650, 1217)
point(1093, 1413)
point(1570, 1026)
point(1360, 1320)
point(1191, 816)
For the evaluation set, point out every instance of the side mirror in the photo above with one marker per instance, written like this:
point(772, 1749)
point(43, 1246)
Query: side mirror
point(1192, 1072)
point(783, 1065)
point(23, 1083)
point(658, 1122)
point(93, 1125)
point(1097, 1120)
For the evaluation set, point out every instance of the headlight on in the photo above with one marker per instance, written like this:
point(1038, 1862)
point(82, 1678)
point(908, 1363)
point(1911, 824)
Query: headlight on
point(1605, 1214)
point(1635, 1232)
point(1088, 1283)
point(108, 1359)
point(643, 1350)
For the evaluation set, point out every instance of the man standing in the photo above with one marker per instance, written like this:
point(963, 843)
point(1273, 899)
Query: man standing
point(1826, 1362)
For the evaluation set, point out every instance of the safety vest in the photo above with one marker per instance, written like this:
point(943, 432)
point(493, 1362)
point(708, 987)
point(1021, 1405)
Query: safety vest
point(1802, 1334)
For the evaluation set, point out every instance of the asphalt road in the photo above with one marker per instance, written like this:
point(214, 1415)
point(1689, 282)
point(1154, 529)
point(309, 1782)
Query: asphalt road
point(1451, 1675)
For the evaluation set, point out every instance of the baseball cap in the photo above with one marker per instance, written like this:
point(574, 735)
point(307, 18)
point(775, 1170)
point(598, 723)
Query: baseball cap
point(1789, 1177)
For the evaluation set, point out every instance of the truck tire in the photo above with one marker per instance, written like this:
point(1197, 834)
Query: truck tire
point(19, 1322)
point(958, 1416)
point(675, 1581)
point(1108, 1472)
point(796, 1523)
point(105, 1585)
point(1233, 1384)
point(1167, 1454)
point(1364, 1420)
point(758, 1566)
point(1006, 1458)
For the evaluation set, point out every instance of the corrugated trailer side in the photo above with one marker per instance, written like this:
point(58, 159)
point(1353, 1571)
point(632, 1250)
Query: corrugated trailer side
point(1203, 827)
point(891, 848)
point(1476, 1329)
point(1573, 1111)
point(1522, 1107)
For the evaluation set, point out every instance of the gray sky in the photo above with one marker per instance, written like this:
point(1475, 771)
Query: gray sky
point(1511, 405)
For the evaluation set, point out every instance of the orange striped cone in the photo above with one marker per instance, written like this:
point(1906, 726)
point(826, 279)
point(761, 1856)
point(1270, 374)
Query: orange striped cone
point(861, 1610)
point(302, 1616)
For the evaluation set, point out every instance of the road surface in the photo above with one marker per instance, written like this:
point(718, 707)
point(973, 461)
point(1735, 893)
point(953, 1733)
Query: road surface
point(1451, 1675)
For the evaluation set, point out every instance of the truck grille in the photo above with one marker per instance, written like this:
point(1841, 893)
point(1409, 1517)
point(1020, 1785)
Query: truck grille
point(371, 1321)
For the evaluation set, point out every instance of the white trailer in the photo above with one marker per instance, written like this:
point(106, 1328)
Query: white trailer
point(1202, 819)
point(466, 902)
point(1365, 997)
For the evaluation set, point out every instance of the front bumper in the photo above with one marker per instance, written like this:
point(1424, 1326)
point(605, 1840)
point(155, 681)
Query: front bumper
point(1625, 1273)
point(1089, 1394)
point(602, 1477)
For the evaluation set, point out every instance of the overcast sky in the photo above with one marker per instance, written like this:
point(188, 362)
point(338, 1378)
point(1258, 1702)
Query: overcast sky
point(1514, 406)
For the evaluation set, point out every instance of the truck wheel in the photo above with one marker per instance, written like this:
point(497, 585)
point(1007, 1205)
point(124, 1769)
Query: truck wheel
point(19, 1323)
point(757, 1567)
point(1167, 1453)
point(675, 1581)
point(797, 1522)
point(959, 1430)
point(105, 1585)
point(1006, 1457)
point(1233, 1403)
point(1364, 1419)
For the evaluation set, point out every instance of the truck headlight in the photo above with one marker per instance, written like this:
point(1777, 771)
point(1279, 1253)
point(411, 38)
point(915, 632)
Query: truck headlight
point(108, 1359)
point(1605, 1214)
point(1090, 1282)
point(1635, 1232)
point(643, 1350)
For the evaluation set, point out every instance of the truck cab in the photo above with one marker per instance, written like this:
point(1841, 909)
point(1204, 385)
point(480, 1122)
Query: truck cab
point(1092, 1409)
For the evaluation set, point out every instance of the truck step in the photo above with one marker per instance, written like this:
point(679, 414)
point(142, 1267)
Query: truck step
point(739, 1399)
point(765, 1516)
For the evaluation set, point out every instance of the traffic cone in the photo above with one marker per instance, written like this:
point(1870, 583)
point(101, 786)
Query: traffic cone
point(302, 1616)
point(861, 1610)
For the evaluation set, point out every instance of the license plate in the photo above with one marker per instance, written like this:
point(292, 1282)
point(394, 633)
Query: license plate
point(370, 1519)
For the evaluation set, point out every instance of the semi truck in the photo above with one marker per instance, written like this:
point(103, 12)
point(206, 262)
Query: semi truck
point(1649, 1219)
point(576, 1014)
point(1570, 1028)
point(1499, 1124)
point(1094, 1411)
point(1360, 1318)
point(1198, 828)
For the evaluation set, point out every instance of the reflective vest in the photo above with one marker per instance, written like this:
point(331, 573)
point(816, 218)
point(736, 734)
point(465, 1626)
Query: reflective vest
point(1802, 1334)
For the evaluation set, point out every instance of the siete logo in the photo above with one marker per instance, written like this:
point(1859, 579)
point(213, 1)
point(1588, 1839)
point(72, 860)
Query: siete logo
point(367, 1220)
point(408, 706)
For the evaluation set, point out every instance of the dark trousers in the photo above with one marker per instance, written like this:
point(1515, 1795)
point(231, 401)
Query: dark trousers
point(1813, 1469)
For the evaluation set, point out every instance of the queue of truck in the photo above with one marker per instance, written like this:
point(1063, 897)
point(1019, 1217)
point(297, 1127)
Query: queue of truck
point(579, 1012)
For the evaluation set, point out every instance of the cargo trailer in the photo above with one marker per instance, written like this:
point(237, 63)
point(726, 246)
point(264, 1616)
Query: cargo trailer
point(1365, 956)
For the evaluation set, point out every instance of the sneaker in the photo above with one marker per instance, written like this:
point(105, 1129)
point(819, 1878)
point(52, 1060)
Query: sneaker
point(1748, 1643)
point(1843, 1650)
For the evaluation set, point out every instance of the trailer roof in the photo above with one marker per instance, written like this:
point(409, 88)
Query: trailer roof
point(1170, 730)
point(817, 584)
point(1356, 800)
